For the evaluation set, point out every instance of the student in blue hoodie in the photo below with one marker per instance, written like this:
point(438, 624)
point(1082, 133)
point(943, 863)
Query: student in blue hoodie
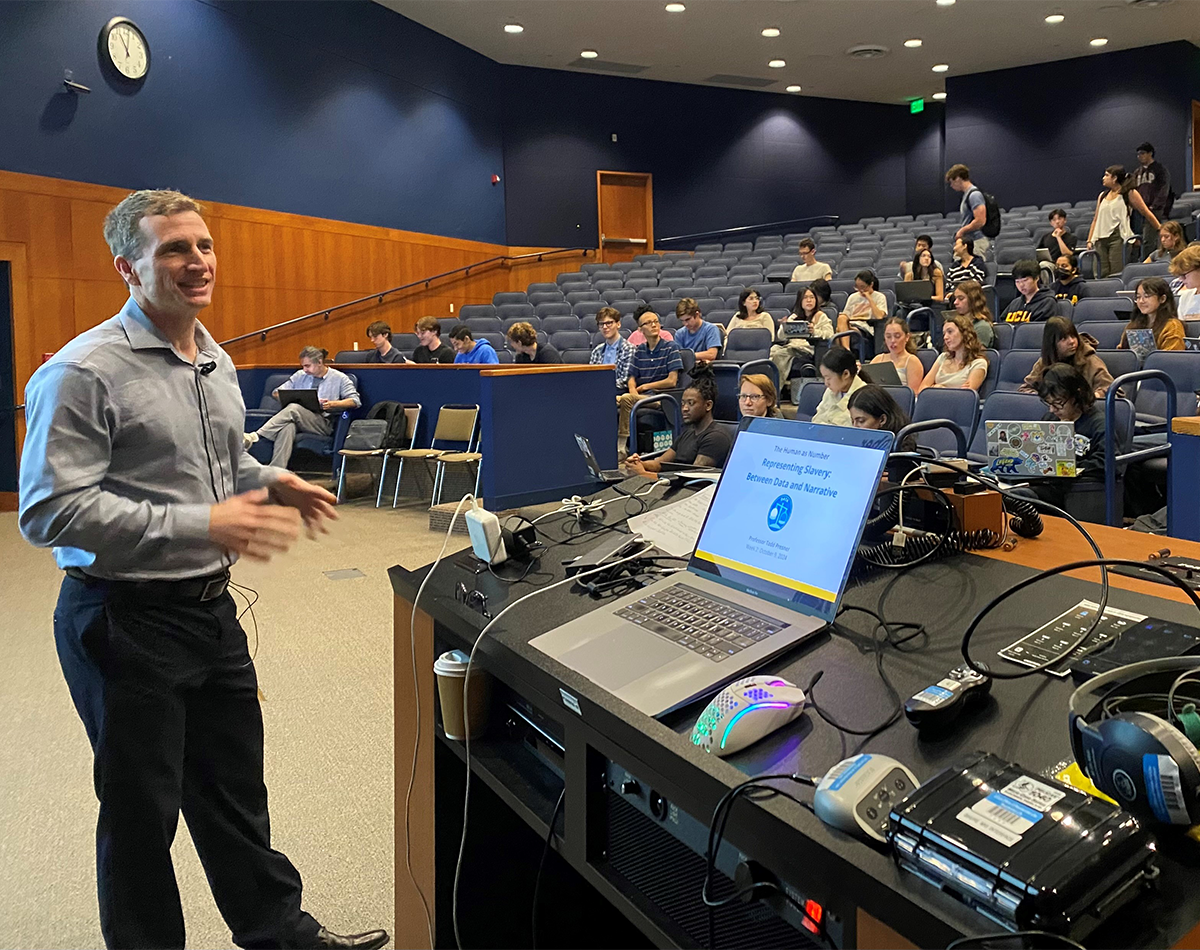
point(469, 350)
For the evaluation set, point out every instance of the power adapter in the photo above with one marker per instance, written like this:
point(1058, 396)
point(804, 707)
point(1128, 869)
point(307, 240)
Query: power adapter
point(486, 541)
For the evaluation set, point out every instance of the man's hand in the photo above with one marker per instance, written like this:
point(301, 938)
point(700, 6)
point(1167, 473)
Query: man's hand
point(248, 524)
point(315, 504)
point(326, 404)
point(632, 459)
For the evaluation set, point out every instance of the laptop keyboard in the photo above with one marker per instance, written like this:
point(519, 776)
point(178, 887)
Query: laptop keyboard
point(707, 625)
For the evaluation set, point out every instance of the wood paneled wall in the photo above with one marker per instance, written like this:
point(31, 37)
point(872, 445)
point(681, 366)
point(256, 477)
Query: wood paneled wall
point(271, 267)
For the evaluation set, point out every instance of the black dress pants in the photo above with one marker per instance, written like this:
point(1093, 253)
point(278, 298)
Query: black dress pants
point(169, 698)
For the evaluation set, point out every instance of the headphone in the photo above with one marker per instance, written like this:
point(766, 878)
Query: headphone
point(1138, 743)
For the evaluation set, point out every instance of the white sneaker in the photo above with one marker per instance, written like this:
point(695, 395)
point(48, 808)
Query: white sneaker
point(248, 439)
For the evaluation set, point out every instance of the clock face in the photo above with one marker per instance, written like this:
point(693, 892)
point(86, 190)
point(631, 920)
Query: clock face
point(127, 49)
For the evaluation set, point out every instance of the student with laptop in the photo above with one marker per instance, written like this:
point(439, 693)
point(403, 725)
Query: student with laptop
point(808, 321)
point(924, 269)
point(969, 301)
point(1063, 344)
point(701, 443)
point(1155, 324)
point(839, 370)
point(865, 304)
point(335, 392)
point(1032, 304)
point(901, 353)
point(1060, 239)
point(1069, 396)
point(961, 364)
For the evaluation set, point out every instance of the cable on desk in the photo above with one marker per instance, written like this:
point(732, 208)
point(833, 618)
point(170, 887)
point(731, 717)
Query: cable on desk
point(537, 881)
point(1056, 940)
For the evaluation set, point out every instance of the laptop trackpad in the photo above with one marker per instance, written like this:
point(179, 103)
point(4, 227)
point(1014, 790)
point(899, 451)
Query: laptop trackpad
point(621, 656)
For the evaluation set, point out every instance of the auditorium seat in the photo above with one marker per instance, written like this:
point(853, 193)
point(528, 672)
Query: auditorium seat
point(1021, 209)
point(541, 288)
point(509, 297)
point(721, 316)
point(1028, 336)
point(709, 304)
point(1004, 336)
point(746, 344)
point(739, 247)
point(1015, 365)
point(476, 310)
point(1183, 366)
point(1018, 407)
point(692, 290)
point(653, 293)
point(779, 301)
point(646, 258)
point(725, 291)
point(1120, 362)
point(579, 356)
point(601, 284)
point(960, 406)
point(514, 310)
point(535, 322)
point(545, 310)
point(552, 325)
point(624, 267)
point(540, 297)
point(1107, 332)
point(1095, 309)
point(405, 342)
point(809, 393)
point(587, 309)
point(575, 287)
point(573, 277)
point(595, 268)
point(1009, 254)
point(563, 340)
point(703, 248)
point(352, 356)
point(1132, 273)
point(1103, 287)
point(668, 272)
point(578, 296)
point(616, 295)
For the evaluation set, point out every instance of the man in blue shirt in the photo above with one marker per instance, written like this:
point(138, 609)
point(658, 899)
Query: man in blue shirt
point(469, 350)
point(973, 209)
point(614, 351)
point(703, 339)
point(655, 368)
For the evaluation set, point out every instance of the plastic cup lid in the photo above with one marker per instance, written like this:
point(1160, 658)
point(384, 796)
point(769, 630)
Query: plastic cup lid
point(452, 663)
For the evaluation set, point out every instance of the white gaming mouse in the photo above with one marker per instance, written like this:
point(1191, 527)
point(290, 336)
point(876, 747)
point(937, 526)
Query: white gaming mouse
point(745, 711)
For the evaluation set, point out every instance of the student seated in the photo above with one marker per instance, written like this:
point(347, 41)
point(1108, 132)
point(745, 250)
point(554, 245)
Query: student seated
point(702, 338)
point(839, 370)
point(810, 308)
point(865, 304)
point(335, 390)
point(968, 300)
point(1031, 304)
point(966, 266)
point(469, 350)
point(1060, 239)
point(924, 268)
point(655, 368)
point(810, 268)
point(1069, 397)
point(750, 315)
point(1185, 267)
point(380, 334)
point(522, 337)
point(757, 396)
point(1171, 241)
point(1155, 313)
point(1067, 280)
point(1063, 344)
point(431, 348)
point(701, 443)
point(902, 353)
point(923, 243)
point(615, 351)
point(872, 407)
point(961, 364)
point(637, 338)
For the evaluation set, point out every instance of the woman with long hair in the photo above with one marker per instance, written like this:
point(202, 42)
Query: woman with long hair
point(750, 314)
point(968, 300)
point(1063, 343)
point(961, 364)
point(1110, 224)
point(1171, 241)
point(872, 407)
point(1157, 313)
point(924, 268)
point(902, 353)
point(807, 309)
point(865, 304)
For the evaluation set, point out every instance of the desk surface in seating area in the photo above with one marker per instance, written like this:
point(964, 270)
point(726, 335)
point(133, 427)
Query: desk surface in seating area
point(529, 416)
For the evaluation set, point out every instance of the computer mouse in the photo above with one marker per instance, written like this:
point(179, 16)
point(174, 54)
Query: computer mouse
point(745, 711)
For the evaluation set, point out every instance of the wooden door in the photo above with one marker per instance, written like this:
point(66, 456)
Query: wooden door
point(625, 208)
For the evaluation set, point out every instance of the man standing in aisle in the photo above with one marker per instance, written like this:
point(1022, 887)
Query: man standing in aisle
point(973, 209)
point(1153, 182)
point(133, 471)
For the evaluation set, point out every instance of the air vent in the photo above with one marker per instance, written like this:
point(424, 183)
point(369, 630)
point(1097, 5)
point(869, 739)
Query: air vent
point(606, 67)
point(867, 51)
point(752, 81)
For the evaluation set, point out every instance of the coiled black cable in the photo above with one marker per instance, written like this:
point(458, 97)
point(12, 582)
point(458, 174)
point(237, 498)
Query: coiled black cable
point(1026, 520)
point(926, 547)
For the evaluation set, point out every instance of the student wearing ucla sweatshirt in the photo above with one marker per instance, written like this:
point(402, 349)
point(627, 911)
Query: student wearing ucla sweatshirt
point(1034, 304)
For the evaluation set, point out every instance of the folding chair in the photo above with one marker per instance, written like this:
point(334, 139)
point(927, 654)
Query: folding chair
point(412, 415)
point(456, 425)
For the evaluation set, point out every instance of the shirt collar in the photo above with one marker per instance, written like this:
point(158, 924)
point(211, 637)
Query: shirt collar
point(144, 335)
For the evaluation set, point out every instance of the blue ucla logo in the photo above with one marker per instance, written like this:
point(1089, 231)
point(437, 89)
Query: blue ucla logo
point(781, 511)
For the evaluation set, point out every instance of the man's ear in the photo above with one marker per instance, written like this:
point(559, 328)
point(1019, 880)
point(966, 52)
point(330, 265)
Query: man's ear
point(125, 269)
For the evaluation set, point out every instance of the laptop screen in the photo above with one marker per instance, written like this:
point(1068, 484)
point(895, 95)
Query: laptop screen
point(789, 510)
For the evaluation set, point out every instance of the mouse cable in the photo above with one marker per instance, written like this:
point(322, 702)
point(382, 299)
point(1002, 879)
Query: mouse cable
point(537, 880)
point(462, 845)
point(1056, 940)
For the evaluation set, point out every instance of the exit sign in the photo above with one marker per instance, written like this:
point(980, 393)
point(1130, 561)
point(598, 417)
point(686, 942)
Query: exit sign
point(917, 105)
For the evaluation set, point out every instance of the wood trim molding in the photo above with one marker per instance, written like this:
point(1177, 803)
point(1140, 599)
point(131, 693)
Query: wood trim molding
point(512, 369)
point(8, 501)
point(1186, 425)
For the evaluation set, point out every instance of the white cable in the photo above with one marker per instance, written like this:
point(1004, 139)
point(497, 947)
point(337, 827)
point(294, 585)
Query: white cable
point(578, 507)
point(903, 482)
point(462, 845)
point(412, 775)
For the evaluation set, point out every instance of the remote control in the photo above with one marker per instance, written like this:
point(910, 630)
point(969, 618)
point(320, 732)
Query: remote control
point(937, 706)
point(857, 794)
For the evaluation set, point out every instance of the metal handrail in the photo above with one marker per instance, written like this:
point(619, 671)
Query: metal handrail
point(960, 438)
point(466, 269)
point(831, 218)
point(1112, 459)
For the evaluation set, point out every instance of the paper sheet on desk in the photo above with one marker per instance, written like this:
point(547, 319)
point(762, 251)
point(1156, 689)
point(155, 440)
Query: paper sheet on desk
point(674, 528)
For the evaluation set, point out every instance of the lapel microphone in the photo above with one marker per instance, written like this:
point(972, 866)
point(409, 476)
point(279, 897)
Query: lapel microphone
point(206, 368)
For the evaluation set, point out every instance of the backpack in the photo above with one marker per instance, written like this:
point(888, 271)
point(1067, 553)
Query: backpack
point(385, 427)
point(991, 224)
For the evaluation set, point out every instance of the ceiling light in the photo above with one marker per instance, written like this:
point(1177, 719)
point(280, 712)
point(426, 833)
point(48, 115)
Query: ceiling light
point(940, 68)
point(588, 54)
point(777, 64)
point(1055, 18)
point(912, 44)
point(793, 88)
point(939, 96)
point(771, 31)
point(675, 8)
point(513, 28)
point(945, 3)
point(1100, 41)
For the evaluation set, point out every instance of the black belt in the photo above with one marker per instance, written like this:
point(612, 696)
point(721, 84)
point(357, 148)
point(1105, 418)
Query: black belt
point(201, 589)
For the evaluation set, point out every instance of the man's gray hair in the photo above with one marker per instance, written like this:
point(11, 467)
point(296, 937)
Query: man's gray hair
point(122, 228)
point(313, 353)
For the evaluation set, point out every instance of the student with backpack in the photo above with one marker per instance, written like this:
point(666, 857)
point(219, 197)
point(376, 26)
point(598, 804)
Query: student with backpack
point(980, 213)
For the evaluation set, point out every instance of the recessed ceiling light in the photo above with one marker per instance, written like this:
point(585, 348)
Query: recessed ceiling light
point(588, 54)
point(945, 3)
point(912, 44)
point(1055, 18)
point(777, 64)
point(771, 31)
point(1100, 41)
point(675, 8)
point(793, 88)
point(939, 96)
point(513, 28)
point(940, 68)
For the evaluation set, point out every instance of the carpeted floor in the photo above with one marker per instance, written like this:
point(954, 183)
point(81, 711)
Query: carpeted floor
point(324, 662)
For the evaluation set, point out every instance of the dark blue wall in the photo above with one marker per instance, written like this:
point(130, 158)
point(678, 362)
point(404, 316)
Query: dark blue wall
point(1046, 133)
point(719, 157)
point(341, 110)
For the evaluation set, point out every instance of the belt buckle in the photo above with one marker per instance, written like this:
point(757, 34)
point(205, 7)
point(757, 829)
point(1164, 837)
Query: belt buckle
point(214, 588)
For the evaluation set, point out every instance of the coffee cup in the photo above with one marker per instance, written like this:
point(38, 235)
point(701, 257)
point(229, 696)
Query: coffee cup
point(450, 669)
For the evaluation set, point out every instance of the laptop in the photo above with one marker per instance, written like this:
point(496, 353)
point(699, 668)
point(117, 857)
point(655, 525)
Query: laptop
point(1043, 256)
point(1031, 449)
point(308, 398)
point(601, 475)
point(913, 291)
point(768, 570)
point(796, 330)
point(882, 373)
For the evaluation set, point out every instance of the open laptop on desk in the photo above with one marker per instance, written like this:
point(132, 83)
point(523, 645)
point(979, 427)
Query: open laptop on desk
point(914, 291)
point(1030, 449)
point(768, 570)
point(599, 474)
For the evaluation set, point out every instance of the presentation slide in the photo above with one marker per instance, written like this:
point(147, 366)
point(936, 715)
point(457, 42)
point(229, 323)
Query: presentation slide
point(787, 513)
